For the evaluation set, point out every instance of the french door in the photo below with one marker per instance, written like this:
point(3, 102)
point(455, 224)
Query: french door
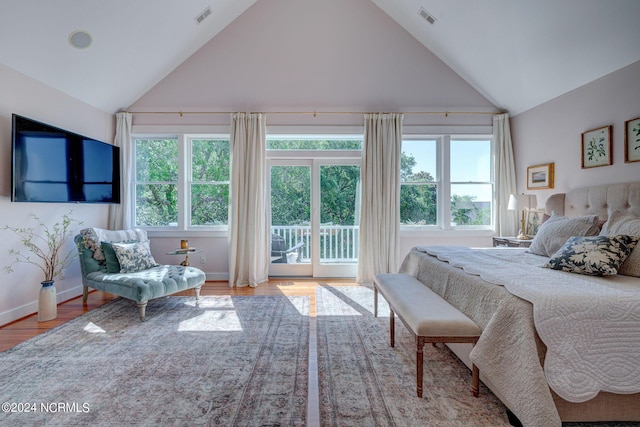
point(314, 205)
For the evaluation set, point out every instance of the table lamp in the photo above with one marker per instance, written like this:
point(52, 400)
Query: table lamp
point(522, 202)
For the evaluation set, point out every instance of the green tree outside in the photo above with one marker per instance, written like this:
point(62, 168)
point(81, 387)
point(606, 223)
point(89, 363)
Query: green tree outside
point(157, 188)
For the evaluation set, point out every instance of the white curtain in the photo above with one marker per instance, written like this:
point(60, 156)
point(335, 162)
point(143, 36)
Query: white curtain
point(120, 215)
point(380, 200)
point(506, 221)
point(248, 220)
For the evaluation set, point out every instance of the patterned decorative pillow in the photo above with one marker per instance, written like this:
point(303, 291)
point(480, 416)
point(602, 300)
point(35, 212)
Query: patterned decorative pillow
point(620, 223)
point(92, 242)
point(594, 256)
point(555, 231)
point(111, 260)
point(134, 257)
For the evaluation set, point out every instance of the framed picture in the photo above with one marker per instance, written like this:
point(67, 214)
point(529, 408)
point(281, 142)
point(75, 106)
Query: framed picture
point(632, 140)
point(540, 177)
point(596, 148)
point(533, 221)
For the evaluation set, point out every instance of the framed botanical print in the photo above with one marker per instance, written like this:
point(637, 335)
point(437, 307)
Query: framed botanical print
point(540, 177)
point(596, 147)
point(534, 221)
point(632, 140)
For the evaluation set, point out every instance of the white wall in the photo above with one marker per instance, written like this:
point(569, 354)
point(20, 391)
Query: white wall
point(309, 55)
point(552, 131)
point(22, 95)
point(305, 56)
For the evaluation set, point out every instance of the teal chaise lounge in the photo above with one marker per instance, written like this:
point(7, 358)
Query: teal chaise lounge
point(120, 262)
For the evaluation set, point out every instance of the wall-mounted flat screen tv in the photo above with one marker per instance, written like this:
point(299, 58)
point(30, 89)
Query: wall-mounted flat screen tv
point(58, 166)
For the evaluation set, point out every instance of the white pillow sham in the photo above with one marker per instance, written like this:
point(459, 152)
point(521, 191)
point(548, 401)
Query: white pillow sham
point(555, 231)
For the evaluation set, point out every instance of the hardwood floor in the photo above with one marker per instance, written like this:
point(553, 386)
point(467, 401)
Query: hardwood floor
point(28, 327)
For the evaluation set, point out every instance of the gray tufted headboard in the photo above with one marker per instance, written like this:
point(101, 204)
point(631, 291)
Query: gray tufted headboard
point(598, 200)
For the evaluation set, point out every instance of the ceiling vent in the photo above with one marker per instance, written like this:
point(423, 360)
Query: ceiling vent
point(202, 16)
point(427, 16)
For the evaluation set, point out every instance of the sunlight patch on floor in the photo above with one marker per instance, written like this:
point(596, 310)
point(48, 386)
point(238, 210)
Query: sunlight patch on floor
point(93, 329)
point(212, 321)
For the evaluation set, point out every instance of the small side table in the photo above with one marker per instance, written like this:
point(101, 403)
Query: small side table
point(511, 242)
point(186, 253)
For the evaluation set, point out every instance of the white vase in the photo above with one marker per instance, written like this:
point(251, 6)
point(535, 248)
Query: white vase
point(47, 304)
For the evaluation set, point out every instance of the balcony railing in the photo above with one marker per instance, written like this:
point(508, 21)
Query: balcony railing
point(338, 243)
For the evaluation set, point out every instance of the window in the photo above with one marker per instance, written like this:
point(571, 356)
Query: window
point(209, 183)
point(471, 182)
point(418, 182)
point(445, 168)
point(308, 142)
point(156, 182)
point(181, 181)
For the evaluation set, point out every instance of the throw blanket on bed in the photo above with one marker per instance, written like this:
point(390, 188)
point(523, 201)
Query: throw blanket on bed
point(591, 329)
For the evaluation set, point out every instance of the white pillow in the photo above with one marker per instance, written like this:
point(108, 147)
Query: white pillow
point(555, 231)
point(620, 223)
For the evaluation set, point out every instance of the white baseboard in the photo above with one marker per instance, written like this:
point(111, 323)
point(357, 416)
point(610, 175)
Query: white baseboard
point(217, 276)
point(32, 307)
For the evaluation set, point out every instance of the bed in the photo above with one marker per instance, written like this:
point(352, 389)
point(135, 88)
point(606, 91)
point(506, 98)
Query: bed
point(556, 346)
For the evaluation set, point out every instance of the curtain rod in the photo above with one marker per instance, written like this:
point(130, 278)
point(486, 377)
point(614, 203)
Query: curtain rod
point(316, 113)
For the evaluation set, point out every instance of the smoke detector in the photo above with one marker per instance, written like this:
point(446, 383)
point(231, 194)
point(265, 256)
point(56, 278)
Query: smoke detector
point(427, 16)
point(80, 39)
point(202, 16)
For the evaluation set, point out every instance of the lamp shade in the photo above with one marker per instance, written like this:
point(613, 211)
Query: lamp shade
point(522, 201)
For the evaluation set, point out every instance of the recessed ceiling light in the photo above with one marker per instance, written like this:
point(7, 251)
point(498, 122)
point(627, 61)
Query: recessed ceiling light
point(80, 39)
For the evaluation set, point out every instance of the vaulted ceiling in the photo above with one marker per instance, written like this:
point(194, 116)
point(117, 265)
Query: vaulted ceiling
point(517, 53)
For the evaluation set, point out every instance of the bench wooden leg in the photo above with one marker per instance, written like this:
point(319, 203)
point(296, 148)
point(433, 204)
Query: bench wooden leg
point(419, 364)
point(375, 301)
point(392, 329)
point(475, 381)
point(475, 376)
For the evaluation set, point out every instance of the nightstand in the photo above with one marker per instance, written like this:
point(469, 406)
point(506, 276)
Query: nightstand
point(511, 242)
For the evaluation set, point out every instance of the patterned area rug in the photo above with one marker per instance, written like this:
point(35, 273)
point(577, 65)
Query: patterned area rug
point(364, 382)
point(229, 361)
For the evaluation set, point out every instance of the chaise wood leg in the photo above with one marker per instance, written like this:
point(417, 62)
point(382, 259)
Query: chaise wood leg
point(419, 362)
point(392, 329)
point(142, 306)
point(85, 294)
point(197, 291)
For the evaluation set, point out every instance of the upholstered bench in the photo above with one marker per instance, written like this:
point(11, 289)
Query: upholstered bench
point(101, 269)
point(428, 316)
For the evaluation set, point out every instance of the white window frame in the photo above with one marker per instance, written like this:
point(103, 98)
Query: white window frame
point(189, 180)
point(184, 187)
point(443, 180)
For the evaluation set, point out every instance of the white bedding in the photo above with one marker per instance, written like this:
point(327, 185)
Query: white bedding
point(591, 326)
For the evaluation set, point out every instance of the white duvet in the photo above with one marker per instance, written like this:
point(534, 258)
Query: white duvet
point(590, 325)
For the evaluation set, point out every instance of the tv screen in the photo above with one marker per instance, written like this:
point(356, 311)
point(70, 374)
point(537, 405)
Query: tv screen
point(55, 165)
